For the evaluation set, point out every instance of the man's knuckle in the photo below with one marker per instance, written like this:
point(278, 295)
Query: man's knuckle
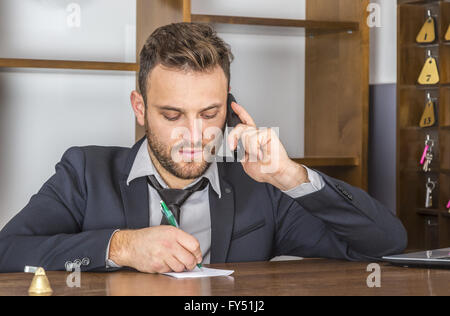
point(195, 245)
point(157, 266)
point(165, 269)
point(179, 268)
point(172, 230)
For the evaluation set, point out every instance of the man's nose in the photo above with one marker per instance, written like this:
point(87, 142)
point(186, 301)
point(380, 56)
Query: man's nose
point(195, 131)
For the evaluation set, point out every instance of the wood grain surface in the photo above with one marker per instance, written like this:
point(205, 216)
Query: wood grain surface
point(304, 277)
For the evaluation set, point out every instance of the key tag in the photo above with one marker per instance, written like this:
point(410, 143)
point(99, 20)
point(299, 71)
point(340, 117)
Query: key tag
point(427, 33)
point(430, 72)
point(447, 35)
point(448, 206)
point(428, 117)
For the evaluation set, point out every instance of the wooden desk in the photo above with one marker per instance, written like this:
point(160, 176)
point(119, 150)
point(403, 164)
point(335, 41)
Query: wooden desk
point(307, 277)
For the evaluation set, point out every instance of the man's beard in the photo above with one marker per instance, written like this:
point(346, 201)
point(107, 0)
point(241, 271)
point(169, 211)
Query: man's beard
point(182, 170)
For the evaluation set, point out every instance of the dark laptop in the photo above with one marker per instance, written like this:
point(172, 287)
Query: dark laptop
point(439, 258)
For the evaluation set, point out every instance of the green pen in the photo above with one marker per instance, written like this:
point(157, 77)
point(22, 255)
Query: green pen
point(171, 219)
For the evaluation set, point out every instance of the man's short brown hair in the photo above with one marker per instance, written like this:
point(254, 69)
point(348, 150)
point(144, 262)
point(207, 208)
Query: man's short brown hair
point(185, 46)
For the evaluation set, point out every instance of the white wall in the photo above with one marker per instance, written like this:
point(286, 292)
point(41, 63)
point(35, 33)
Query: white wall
point(46, 29)
point(268, 74)
point(44, 112)
point(285, 9)
point(383, 45)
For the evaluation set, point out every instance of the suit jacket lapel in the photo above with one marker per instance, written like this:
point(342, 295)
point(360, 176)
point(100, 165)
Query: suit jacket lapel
point(222, 219)
point(135, 203)
point(135, 196)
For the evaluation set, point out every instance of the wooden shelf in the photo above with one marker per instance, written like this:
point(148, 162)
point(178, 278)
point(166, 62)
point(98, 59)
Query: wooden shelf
point(433, 212)
point(66, 64)
point(419, 171)
point(419, 45)
point(418, 128)
point(311, 26)
point(428, 212)
point(419, 87)
point(328, 161)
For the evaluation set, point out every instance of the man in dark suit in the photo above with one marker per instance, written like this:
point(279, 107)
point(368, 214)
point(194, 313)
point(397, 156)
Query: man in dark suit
point(101, 208)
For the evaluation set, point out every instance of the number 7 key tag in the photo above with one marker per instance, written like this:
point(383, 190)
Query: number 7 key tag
point(430, 72)
point(431, 185)
point(427, 156)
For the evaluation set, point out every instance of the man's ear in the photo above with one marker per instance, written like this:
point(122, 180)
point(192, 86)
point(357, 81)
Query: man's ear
point(138, 104)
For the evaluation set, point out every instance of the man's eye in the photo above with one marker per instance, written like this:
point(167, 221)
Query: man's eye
point(171, 118)
point(209, 117)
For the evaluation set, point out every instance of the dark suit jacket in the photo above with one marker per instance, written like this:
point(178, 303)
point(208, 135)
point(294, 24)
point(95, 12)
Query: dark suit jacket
point(76, 211)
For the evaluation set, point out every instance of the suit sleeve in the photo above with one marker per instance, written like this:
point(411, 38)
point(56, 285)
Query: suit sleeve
point(48, 231)
point(338, 222)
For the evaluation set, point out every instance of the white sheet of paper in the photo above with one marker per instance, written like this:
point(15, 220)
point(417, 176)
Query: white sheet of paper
point(200, 273)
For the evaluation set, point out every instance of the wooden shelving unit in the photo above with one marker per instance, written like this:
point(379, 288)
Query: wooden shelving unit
point(311, 27)
point(336, 122)
point(428, 228)
point(66, 64)
point(337, 61)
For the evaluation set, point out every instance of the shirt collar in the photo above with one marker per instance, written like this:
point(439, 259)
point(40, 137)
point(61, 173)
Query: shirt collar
point(143, 167)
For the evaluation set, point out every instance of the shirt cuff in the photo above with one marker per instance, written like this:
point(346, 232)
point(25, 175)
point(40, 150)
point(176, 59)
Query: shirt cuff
point(316, 184)
point(109, 263)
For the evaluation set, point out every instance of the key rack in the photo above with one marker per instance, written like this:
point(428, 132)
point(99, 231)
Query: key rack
point(428, 227)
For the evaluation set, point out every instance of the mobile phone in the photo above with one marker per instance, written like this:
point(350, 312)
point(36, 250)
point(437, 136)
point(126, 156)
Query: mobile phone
point(232, 118)
point(232, 121)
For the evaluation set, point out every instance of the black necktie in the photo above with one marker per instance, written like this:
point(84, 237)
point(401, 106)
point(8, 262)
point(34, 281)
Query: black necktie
point(174, 198)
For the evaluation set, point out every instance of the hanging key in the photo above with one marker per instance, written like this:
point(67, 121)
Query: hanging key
point(431, 185)
point(428, 160)
point(427, 156)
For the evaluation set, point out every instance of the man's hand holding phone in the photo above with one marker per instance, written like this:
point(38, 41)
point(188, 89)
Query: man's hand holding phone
point(265, 158)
